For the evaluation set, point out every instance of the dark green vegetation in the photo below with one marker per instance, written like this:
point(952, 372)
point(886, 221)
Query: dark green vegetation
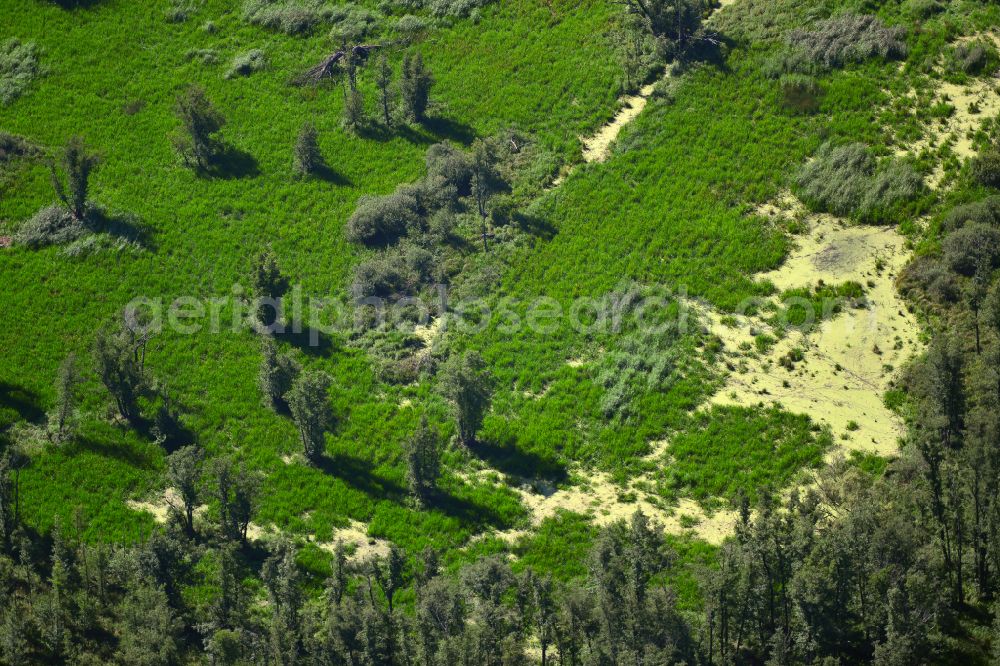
point(425, 159)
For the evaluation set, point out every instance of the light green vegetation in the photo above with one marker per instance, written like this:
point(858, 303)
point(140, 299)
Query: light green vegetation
point(669, 210)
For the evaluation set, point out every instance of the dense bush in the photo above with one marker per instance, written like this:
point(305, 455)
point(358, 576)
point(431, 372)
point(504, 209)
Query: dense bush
point(836, 42)
point(450, 164)
point(986, 211)
point(398, 271)
point(293, 17)
point(985, 168)
point(974, 58)
point(247, 63)
point(848, 181)
point(379, 220)
point(351, 23)
point(455, 8)
point(974, 247)
point(53, 225)
point(18, 68)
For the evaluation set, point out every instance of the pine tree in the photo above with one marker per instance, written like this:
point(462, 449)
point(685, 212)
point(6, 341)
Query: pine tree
point(307, 155)
point(423, 460)
point(277, 373)
point(415, 87)
point(268, 285)
point(184, 474)
point(466, 383)
point(62, 421)
point(309, 403)
point(354, 111)
point(197, 141)
point(383, 79)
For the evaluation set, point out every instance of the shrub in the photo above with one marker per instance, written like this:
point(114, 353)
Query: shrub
point(179, 11)
point(351, 23)
point(18, 68)
point(398, 271)
point(972, 58)
point(382, 219)
point(277, 373)
point(13, 146)
point(985, 168)
point(848, 181)
point(307, 156)
point(455, 8)
point(410, 28)
point(292, 18)
point(53, 225)
point(986, 211)
point(450, 164)
point(973, 247)
point(838, 41)
point(206, 56)
point(836, 180)
point(929, 275)
point(247, 63)
point(895, 184)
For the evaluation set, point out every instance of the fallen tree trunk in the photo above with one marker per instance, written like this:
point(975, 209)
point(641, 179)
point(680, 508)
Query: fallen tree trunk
point(327, 68)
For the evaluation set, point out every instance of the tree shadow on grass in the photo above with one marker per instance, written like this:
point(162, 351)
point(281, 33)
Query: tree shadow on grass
point(325, 173)
point(232, 163)
point(513, 461)
point(21, 400)
point(74, 4)
point(535, 225)
point(309, 340)
point(125, 453)
point(447, 128)
point(123, 227)
point(361, 475)
point(471, 514)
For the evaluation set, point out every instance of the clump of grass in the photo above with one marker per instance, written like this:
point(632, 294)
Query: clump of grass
point(351, 23)
point(53, 225)
point(205, 56)
point(972, 58)
point(247, 63)
point(18, 68)
point(836, 42)
point(848, 181)
point(811, 305)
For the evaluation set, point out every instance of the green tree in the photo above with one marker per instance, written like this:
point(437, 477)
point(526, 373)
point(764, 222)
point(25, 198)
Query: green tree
point(119, 361)
point(383, 79)
point(184, 474)
point(353, 118)
point(62, 421)
point(467, 385)
point(197, 141)
point(486, 180)
point(415, 87)
point(308, 158)
point(277, 373)
point(423, 460)
point(309, 403)
point(675, 22)
point(268, 285)
point(149, 630)
point(73, 185)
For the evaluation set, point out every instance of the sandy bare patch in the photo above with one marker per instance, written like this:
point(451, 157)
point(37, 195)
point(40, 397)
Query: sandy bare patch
point(606, 502)
point(849, 361)
point(160, 507)
point(596, 148)
point(356, 535)
point(973, 103)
